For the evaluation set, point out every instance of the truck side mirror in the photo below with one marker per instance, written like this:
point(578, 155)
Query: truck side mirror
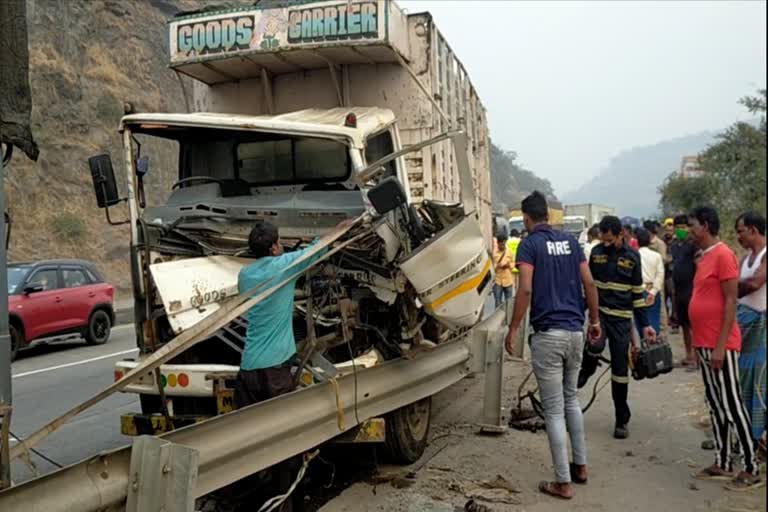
point(387, 196)
point(104, 183)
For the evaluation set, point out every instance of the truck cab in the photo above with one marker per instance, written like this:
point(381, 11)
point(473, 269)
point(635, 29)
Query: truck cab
point(418, 271)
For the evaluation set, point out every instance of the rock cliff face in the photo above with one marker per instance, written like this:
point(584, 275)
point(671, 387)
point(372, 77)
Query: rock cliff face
point(87, 59)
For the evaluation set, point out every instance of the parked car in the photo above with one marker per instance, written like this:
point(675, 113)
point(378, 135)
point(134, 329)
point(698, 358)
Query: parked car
point(57, 297)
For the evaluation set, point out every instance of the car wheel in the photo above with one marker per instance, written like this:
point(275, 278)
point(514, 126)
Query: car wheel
point(16, 341)
point(99, 327)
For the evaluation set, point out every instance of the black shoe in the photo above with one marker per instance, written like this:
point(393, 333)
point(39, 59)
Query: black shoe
point(621, 432)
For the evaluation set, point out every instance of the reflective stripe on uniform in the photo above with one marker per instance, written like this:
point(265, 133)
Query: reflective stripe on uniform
point(618, 287)
point(640, 303)
point(619, 379)
point(638, 289)
point(621, 313)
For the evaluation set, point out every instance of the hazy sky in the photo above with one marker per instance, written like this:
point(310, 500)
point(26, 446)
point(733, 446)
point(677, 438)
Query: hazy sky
point(570, 84)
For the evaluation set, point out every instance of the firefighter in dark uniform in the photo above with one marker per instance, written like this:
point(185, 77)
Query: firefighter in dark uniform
point(615, 267)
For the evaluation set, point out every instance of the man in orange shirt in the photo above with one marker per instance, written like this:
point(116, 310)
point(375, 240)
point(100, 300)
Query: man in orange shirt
point(717, 341)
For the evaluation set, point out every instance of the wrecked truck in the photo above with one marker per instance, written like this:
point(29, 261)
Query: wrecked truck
point(304, 116)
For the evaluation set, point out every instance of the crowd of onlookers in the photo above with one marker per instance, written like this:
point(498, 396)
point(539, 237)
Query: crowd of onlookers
point(639, 282)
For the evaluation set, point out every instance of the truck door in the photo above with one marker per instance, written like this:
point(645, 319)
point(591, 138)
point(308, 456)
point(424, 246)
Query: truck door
point(385, 143)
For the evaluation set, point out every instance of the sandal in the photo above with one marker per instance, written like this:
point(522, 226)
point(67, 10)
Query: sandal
point(551, 489)
point(745, 482)
point(574, 475)
point(714, 472)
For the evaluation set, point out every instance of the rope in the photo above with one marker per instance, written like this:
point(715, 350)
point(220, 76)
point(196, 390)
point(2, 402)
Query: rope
point(272, 504)
point(536, 404)
point(339, 407)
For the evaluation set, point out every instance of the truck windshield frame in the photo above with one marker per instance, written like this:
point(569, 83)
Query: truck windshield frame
point(222, 154)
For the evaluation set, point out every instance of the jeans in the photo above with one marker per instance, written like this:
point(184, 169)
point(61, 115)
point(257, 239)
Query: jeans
point(654, 315)
point(502, 294)
point(556, 358)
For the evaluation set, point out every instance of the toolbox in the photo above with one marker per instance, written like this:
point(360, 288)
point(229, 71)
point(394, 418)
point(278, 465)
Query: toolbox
point(652, 359)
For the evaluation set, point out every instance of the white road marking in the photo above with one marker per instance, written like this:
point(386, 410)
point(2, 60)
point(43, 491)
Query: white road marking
point(74, 363)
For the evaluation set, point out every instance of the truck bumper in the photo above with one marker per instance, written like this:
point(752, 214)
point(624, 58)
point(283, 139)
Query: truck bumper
point(153, 424)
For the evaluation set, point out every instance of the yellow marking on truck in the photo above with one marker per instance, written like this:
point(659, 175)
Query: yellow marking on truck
point(468, 285)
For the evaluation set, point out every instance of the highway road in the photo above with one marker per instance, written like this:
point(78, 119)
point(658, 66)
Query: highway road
point(49, 380)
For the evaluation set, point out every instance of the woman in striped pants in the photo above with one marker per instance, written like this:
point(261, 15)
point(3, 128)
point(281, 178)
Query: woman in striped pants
point(717, 341)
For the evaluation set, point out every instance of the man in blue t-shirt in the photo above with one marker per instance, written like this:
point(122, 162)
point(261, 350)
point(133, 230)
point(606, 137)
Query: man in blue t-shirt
point(265, 366)
point(554, 277)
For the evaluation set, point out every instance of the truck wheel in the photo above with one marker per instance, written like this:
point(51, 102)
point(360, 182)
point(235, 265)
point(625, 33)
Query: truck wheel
point(99, 327)
point(407, 430)
point(16, 341)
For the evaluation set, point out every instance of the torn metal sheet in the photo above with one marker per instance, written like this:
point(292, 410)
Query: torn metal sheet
point(452, 274)
point(195, 288)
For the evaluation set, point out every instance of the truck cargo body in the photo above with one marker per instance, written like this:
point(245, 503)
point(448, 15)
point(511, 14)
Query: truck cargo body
point(397, 64)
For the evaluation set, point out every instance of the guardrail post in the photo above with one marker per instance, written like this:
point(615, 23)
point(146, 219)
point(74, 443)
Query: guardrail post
point(162, 477)
point(487, 356)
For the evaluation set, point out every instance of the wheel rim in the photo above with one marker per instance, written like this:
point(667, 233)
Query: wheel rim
point(417, 419)
point(100, 327)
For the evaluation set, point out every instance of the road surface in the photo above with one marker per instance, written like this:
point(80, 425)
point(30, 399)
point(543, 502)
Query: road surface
point(49, 380)
point(649, 471)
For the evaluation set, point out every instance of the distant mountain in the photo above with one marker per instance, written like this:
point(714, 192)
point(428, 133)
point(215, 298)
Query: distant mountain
point(510, 182)
point(631, 179)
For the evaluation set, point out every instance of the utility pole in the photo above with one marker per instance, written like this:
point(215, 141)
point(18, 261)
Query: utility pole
point(15, 112)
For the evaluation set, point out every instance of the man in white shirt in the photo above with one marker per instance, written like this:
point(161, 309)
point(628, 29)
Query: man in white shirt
point(593, 238)
point(652, 265)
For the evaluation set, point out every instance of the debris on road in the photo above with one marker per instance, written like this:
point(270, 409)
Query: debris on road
point(473, 506)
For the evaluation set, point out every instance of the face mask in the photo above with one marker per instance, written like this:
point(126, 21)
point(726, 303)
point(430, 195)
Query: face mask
point(681, 234)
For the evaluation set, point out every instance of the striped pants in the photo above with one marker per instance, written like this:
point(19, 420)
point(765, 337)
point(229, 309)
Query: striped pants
point(727, 411)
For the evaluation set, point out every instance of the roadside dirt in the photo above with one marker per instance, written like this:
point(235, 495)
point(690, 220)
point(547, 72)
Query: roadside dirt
point(649, 471)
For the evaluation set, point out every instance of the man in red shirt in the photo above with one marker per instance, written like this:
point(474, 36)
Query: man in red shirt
point(717, 340)
point(629, 236)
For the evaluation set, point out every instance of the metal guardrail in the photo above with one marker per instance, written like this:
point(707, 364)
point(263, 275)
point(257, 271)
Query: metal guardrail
point(243, 442)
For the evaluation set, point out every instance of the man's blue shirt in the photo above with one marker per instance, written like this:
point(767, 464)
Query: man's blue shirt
point(557, 301)
point(269, 340)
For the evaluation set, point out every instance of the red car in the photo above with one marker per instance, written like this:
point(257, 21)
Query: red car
point(57, 297)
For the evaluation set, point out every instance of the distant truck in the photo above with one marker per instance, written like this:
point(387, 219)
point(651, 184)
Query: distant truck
point(555, 217)
point(590, 212)
point(579, 217)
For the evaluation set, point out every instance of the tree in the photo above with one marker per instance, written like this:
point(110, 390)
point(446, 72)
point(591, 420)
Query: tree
point(734, 170)
point(679, 194)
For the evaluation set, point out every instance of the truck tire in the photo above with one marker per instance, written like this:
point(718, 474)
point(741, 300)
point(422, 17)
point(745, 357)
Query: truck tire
point(407, 430)
point(16, 341)
point(99, 327)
